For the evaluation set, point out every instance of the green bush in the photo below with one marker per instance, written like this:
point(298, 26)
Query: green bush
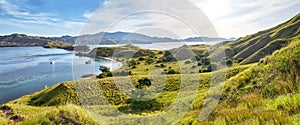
point(205, 61)
point(149, 60)
point(105, 74)
point(141, 59)
point(229, 62)
point(171, 71)
point(163, 65)
point(142, 83)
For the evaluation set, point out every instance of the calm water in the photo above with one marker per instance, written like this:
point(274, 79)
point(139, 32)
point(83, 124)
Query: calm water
point(25, 70)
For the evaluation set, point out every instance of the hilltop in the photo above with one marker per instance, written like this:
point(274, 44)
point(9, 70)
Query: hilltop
point(16, 40)
point(252, 48)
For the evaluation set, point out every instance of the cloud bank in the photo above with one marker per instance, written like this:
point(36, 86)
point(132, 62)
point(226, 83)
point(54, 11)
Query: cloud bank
point(177, 16)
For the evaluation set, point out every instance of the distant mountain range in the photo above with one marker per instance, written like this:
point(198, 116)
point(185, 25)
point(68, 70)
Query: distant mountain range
point(99, 38)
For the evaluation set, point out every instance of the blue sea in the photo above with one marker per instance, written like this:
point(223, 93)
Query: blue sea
point(25, 70)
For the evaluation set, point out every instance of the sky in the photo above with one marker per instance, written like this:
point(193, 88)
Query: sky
point(230, 18)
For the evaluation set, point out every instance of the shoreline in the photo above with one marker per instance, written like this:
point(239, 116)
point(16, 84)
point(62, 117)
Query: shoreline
point(93, 76)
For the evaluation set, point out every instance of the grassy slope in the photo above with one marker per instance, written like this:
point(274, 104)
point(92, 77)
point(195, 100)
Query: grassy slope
point(256, 46)
point(58, 104)
point(266, 93)
point(54, 105)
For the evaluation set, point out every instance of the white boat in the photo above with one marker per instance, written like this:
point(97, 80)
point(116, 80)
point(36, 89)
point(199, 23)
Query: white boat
point(88, 62)
point(52, 62)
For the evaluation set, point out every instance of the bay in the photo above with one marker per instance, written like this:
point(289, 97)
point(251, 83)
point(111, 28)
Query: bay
point(25, 70)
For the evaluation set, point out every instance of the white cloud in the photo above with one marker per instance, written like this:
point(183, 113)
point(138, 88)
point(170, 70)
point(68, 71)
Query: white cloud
point(23, 14)
point(177, 16)
point(242, 17)
point(231, 18)
point(41, 22)
point(87, 14)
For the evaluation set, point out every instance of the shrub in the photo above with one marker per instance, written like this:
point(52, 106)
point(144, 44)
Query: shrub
point(187, 62)
point(105, 74)
point(171, 71)
point(142, 83)
point(149, 60)
point(141, 59)
point(162, 65)
point(229, 62)
point(132, 62)
point(168, 59)
point(199, 64)
point(205, 61)
point(199, 57)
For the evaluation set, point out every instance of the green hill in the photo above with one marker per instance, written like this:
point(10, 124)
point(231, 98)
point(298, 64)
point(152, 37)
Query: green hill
point(249, 96)
point(267, 92)
point(23, 40)
point(253, 47)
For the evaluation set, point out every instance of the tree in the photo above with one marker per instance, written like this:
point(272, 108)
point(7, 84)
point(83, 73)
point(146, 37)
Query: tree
point(229, 62)
point(149, 60)
point(142, 83)
point(162, 65)
point(141, 59)
point(171, 71)
point(132, 63)
point(205, 61)
point(105, 74)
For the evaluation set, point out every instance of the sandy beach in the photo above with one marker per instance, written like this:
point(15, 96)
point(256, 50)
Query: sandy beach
point(117, 65)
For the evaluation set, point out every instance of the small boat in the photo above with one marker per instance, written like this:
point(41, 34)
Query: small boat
point(52, 62)
point(102, 68)
point(88, 62)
